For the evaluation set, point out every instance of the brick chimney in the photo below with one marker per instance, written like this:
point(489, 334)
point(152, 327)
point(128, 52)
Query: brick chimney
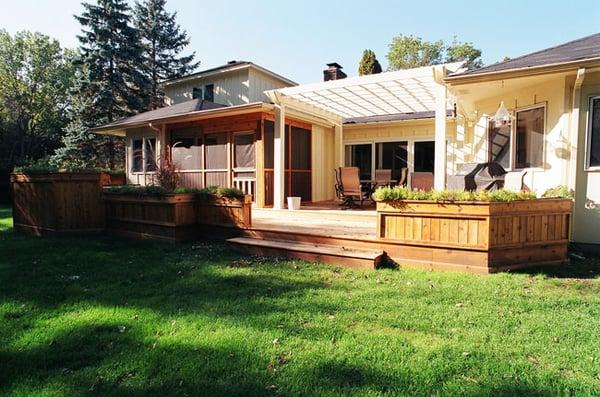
point(333, 72)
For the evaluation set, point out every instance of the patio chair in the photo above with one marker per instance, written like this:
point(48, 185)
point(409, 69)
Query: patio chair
point(515, 181)
point(349, 188)
point(421, 181)
point(383, 177)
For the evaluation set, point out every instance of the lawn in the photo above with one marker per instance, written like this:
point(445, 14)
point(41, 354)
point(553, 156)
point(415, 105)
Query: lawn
point(102, 316)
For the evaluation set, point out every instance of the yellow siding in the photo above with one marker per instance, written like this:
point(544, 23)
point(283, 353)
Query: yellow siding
point(323, 177)
point(587, 204)
point(231, 88)
point(386, 131)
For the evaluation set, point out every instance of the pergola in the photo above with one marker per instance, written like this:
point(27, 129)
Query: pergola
point(401, 92)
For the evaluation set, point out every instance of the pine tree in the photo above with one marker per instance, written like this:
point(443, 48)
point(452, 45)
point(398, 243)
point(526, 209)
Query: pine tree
point(368, 64)
point(162, 41)
point(110, 85)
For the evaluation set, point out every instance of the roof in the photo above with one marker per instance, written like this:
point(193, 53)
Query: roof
point(430, 114)
point(585, 48)
point(196, 108)
point(408, 91)
point(229, 66)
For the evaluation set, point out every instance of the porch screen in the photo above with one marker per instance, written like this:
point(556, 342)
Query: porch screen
point(499, 144)
point(186, 149)
point(215, 151)
point(529, 138)
point(244, 156)
point(594, 133)
point(150, 154)
point(299, 146)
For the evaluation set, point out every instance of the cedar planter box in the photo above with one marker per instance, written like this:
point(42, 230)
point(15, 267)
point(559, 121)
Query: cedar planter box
point(58, 203)
point(225, 212)
point(481, 237)
point(171, 217)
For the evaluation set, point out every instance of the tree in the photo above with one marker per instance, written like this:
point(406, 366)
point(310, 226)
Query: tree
point(35, 77)
point(466, 52)
point(410, 52)
point(162, 42)
point(368, 64)
point(110, 85)
point(407, 52)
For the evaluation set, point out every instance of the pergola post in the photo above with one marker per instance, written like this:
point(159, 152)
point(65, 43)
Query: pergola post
point(279, 159)
point(339, 145)
point(439, 180)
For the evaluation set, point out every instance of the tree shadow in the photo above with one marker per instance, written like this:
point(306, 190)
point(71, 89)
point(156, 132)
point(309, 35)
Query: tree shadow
point(588, 268)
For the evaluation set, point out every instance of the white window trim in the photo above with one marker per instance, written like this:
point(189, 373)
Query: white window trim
point(143, 139)
point(588, 136)
point(513, 136)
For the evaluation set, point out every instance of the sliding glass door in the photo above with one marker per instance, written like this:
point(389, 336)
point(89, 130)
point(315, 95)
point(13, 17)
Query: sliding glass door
point(392, 156)
point(360, 156)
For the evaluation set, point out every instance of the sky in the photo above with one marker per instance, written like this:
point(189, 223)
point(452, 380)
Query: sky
point(297, 38)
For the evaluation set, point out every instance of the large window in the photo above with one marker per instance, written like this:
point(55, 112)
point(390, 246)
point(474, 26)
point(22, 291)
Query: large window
point(593, 144)
point(424, 160)
point(529, 138)
point(143, 155)
point(186, 149)
point(392, 156)
point(360, 156)
point(499, 144)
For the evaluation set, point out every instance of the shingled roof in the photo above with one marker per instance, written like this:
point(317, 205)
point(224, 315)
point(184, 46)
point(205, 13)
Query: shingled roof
point(586, 48)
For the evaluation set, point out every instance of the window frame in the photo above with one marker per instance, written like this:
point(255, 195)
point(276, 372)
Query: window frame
point(588, 136)
point(143, 139)
point(202, 90)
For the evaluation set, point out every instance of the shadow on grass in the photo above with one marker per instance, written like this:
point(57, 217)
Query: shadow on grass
point(577, 269)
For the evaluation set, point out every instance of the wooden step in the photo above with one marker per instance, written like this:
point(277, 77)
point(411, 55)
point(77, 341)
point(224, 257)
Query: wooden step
point(363, 259)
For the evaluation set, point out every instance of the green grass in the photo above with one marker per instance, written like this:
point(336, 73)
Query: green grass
point(100, 316)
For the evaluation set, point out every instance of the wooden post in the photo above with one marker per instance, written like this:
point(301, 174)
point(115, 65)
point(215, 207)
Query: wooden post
point(259, 187)
point(439, 181)
point(279, 159)
point(339, 145)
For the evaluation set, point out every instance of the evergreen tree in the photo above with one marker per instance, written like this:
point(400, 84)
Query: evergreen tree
point(368, 64)
point(162, 41)
point(110, 85)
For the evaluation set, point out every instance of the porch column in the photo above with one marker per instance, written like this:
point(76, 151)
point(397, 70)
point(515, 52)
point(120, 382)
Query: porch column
point(439, 181)
point(279, 159)
point(339, 145)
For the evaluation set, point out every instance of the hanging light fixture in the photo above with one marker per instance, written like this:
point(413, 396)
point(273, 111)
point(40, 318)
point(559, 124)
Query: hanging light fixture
point(502, 115)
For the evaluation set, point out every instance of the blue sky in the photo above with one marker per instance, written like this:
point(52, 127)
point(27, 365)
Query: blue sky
point(297, 38)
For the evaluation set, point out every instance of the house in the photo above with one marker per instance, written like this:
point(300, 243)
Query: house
point(287, 140)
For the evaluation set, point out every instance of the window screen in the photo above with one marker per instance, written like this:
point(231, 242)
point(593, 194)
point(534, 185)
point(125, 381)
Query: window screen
point(137, 156)
point(300, 148)
point(594, 133)
point(215, 146)
point(186, 152)
point(244, 151)
point(529, 138)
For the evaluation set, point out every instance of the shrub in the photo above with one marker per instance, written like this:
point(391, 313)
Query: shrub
point(218, 191)
point(560, 191)
point(401, 193)
point(44, 166)
point(154, 190)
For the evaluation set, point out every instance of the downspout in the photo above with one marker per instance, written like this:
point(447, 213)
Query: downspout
point(574, 133)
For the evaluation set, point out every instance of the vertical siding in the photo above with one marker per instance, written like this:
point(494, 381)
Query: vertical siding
point(323, 157)
point(231, 88)
point(261, 82)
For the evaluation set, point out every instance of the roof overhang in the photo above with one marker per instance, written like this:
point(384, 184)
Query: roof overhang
point(225, 70)
point(403, 91)
point(573, 66)
point(120, 130)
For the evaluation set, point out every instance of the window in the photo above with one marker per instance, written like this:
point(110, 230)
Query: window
point(186, 149)
point(215, 148)
point(206, 92)
point(424, 160)
point(360, 156)
point(499, 144)
point(143, 155)
point(392, 156)
point(593, 144)
point(529, 138)
point(243, 154)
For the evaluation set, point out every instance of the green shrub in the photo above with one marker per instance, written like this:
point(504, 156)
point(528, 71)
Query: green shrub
point(402, 193)
point(153, 190)
point(218, 191)
point(560, 191)
point(44, 166)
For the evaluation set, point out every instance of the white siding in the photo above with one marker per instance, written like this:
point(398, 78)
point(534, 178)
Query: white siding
point(261, 82)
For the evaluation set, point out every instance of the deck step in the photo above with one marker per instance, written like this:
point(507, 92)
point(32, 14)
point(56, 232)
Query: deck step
point(364, 259)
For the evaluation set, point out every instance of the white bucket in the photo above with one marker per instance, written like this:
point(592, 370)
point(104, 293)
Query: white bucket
point(294, 203)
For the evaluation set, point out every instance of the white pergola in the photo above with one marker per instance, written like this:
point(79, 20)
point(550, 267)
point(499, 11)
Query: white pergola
point(404, 91)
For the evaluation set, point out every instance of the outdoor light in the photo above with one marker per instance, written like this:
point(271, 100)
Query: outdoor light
point(502, 115)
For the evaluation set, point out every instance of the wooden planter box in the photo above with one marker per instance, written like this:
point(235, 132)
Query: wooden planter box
point(169, 218)
point(225, 212)
point(58, 203)
point(481, 237)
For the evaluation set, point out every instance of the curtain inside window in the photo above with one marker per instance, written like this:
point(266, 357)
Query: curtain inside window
point(529, 138)
point(244, 156)
point(215, 147)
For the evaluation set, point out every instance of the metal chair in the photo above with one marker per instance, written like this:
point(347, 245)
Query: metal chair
point(348, 187)
point(421, 181)
point(383, 177)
